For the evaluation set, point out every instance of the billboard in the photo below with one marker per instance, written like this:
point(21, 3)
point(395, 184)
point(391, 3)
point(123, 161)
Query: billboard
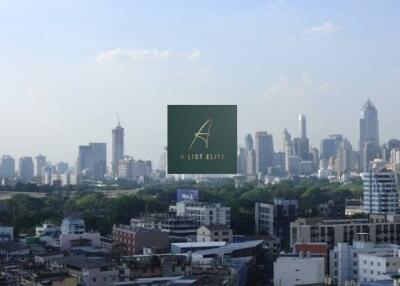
point(202, 139)
point(187, 195)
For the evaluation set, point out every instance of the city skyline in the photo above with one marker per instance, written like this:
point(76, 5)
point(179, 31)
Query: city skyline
point(274, 59)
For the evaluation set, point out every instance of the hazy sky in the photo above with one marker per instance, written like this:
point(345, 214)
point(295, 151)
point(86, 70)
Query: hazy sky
point(67, 67)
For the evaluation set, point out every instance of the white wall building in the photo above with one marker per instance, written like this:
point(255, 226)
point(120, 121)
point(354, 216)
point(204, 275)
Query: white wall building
point(380, 191)
point(290, 270)
point(72, 226)
point(378, 266)
point(204, 213)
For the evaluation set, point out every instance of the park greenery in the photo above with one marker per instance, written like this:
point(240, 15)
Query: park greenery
point(100, 212)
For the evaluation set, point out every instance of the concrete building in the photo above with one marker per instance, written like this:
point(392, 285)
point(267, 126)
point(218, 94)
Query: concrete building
point(71, 225)
point(291, 270)
point(345, 262)
point(47, 229)
point(379, 228)
point(179, 226)
point(381, 193)
point(132, 169)
point(275, 218)
point(377, 266)
point(83, 240)
point(207, 233)
point(88, 271)
point(204, 213)
point(185, 247)
point(25, 168)
point(132, 240)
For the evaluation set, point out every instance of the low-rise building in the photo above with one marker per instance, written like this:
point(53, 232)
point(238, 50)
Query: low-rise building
point(131, 240)
point(291, 270)
point(214, 232)
point(203, 213)
point(6, 233)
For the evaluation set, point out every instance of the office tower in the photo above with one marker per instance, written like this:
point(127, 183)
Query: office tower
point(40, 163)
point(301, 148)
point(287, 141)
point(62, 167)
point(241, 161)
point(25, 168)
point(344, 158)
point(380, 191)
point(369, 134)
point(264, 152)
point(250, 162)
point(327, 148)
point(7, 167)
point(314, 156)
point(249, 144)
point(117, 148)
point(303, 126)
point(92, 160)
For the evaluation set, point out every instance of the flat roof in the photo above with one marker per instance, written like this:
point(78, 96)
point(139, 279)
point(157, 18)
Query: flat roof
point(199, 244)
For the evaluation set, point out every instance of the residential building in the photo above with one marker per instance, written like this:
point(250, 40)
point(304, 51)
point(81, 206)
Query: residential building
point(381, 193)
point(214, 233)
point(132, 239)
point(369, 135)
point(72, 225)
point(40, 164)
point(275, 218)
point(179, 226)
point(302, 269)
point(204, 213)
point(6, 233)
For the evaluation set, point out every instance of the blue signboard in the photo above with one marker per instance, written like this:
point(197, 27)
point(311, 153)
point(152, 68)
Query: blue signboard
point(187, 195)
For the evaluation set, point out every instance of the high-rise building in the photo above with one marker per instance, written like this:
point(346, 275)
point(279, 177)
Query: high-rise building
point(241, 161)
point(301, 148)
point(92, 160)
point(130, 169)
point(25, 168)
point(117, 148)
point(264, 152)
point(303, 126)
point(344, 158)
point(7, 167)
point(249, 144)
point(40, 163)
point(327, 148)
point(62, 167)
point(369, 134)
point(380, 191)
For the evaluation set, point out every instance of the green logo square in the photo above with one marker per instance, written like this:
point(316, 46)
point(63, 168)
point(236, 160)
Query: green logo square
point(202, 139)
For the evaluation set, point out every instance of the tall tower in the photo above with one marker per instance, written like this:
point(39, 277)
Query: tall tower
point(369, 135)
point(303, 126)
point(117, 147)
point(264, 152)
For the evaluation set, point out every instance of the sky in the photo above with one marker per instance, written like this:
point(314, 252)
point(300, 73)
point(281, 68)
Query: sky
point(67, 68)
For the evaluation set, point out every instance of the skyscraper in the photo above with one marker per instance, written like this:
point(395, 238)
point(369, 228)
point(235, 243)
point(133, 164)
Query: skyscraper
point(369, 134)
point(40, 163)
point(7, 167)
point(117, 148)
point(249, 144)
point(303, 126)
point(25, 168)
point(92, 160)
point(264, 152)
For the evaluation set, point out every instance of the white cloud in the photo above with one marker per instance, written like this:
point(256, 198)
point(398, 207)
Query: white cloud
point(324, 28)
point(137, 55)
point(298, 86)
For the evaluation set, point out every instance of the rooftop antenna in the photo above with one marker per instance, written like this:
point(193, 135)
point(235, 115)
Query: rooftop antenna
point(119, 121)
